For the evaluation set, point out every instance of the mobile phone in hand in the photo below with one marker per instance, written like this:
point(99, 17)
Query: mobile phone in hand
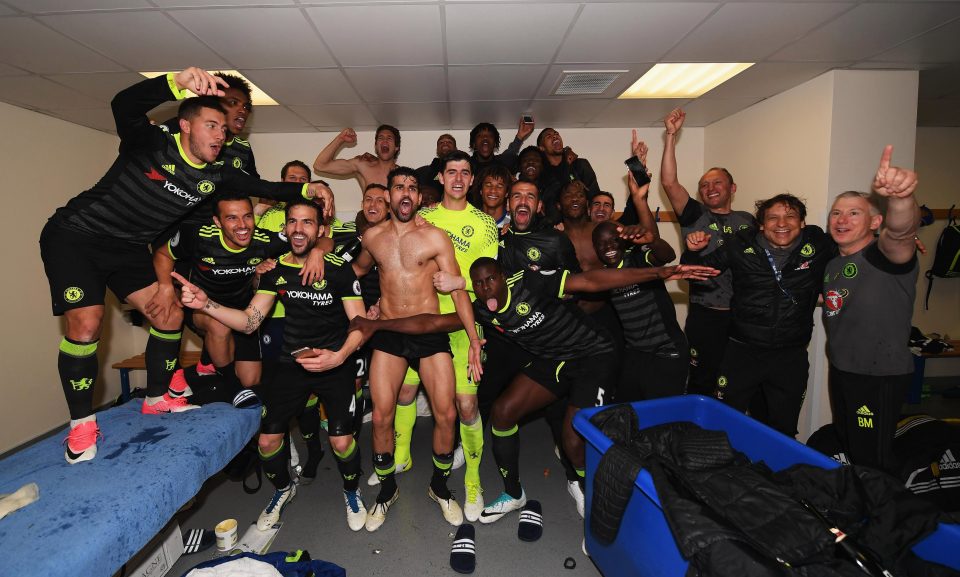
point(303, 353)
point(527, 119)
point(638, 170)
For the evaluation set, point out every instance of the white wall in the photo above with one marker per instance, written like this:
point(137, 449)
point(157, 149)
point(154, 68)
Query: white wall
point(45, 163)
point(815, 141)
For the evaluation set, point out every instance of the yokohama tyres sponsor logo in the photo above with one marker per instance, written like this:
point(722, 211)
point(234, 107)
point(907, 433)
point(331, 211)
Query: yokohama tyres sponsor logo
point(531, 322)
point(173, 188)
point(317, 298)
point(247, 270)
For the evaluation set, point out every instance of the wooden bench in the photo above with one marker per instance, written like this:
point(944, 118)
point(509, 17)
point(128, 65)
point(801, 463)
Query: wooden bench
point(920, 366)
point(139, 363)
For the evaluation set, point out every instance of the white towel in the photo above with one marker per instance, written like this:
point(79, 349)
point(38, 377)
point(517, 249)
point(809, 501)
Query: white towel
point(21, 498)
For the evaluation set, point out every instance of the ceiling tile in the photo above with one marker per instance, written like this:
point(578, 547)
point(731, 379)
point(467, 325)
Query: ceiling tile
point(512, 82)
point(772, 26)
point(504, 114)
point(565, 112)
point(100, 85)
point(164, 112)
point(940, 45)
point(632, 73)
point(704, 111)
point(413, 115)
point(7, 70)
point(277, 119)
point(479, 34)
point(639, 32)
point(38, 93)
point(304, 86)
point(412, 37)
point(97, 118)
point(856, 34)
point(41, 6)
point(143, 41)
point(627, 113)
point(400, 83)
point(34, 47)
point(293, 41)
point(337, 116)
point(178, 3)
point(766, 79)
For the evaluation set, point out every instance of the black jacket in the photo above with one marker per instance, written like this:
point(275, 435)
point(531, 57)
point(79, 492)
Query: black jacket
point(767, 313)
point(731, 517)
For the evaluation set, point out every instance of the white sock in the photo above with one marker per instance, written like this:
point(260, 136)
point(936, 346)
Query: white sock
point(87, 419)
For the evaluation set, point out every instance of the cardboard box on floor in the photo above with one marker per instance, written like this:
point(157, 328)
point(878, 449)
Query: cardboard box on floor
point(159, 555)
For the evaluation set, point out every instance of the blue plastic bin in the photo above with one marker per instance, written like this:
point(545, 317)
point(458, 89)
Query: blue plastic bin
point(644, 546)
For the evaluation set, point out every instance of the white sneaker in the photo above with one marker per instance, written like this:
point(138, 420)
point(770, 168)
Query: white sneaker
point(449, 507)
point(503, 505)
point(473, 502)
point(458, 459)
point(374, 480)
point(356, 512)
point(271, 514)
point(573, 487)
point(377, 515)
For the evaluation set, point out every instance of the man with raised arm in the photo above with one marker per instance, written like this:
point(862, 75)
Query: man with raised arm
point(708, 317)
point(407, 257)
point(100, 238)
point(485, 141)
point(655, 363)
point(366, 168)
point(868, 295)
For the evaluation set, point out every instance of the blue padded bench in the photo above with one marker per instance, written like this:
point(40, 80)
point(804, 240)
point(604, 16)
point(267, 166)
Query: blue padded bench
point(92, 517)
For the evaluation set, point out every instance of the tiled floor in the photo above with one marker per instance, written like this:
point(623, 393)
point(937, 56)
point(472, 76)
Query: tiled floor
point(415, 540)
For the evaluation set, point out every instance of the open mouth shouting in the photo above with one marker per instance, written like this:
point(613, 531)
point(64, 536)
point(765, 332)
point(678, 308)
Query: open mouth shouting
point(239, 123)
point(242, 236)
point(405, 208)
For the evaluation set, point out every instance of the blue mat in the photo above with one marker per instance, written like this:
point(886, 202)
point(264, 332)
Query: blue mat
point(93, 516)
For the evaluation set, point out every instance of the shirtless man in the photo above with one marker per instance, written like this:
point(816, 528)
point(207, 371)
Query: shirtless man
point(574, 208)
point(407, 257)
point(366, 168)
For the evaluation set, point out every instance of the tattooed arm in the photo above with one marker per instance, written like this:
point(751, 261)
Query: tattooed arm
point(246, 321)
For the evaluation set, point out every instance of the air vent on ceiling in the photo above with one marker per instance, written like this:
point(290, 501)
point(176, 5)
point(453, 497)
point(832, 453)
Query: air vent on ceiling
point(586, 82)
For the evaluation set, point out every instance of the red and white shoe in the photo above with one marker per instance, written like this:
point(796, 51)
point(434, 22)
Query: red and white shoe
point(178, 384)
point(167, 404)
point(206, 370)
point(82, 442)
